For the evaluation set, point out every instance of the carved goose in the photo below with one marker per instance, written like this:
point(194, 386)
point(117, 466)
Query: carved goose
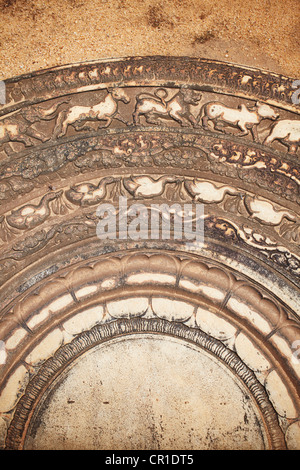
point(87, 194)
point(31, 215)
point(265, 212)
point(145, 186)
point(207, 192)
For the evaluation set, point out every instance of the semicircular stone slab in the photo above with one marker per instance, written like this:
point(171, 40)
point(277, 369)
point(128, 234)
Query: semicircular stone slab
point(158, 191)
point(144, 402)
point(126, 371)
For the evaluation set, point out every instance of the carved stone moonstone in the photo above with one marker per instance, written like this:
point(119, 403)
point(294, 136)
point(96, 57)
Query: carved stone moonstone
point(133, 337)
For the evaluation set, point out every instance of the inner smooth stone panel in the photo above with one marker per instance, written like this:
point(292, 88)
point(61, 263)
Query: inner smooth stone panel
point(147, 391)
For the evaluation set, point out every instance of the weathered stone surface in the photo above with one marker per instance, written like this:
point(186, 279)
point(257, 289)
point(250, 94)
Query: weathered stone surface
point(172, 317)
point(142, 401)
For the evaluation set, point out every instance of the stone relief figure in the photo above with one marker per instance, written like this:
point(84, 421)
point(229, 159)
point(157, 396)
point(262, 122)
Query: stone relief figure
point(87, 194)
point(155, 106)
point(32, 215)
point(145, 186)
point(15, 130)
point(287, 132)
point(207, 192)
point(243, 118)
point(106, 110)
point(265, 212)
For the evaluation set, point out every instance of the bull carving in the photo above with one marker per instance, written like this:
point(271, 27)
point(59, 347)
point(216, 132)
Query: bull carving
point(287, 132)
point(243, 118)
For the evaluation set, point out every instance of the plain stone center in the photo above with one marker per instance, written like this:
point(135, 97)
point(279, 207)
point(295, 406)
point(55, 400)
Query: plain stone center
point(147, 392)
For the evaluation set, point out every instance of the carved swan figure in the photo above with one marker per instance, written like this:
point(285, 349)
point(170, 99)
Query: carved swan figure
point(207, 192)
point(145, 186)
point(31, 215)
point(87, 194)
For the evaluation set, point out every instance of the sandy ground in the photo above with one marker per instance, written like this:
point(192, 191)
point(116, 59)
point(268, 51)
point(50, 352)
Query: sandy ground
point(37, 34)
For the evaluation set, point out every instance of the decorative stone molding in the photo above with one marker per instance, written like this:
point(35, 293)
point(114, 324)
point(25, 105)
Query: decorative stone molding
point(207, 298)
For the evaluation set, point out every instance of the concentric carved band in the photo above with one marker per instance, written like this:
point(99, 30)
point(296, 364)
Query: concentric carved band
point(202, 286)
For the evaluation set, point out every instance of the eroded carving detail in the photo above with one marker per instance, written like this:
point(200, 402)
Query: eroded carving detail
point(157, 110)
point(106, 111)
point(30, 216)
point(232, 200)
point(243, 118)
point(86, 194)
point(287, 132)
point(21, 130)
